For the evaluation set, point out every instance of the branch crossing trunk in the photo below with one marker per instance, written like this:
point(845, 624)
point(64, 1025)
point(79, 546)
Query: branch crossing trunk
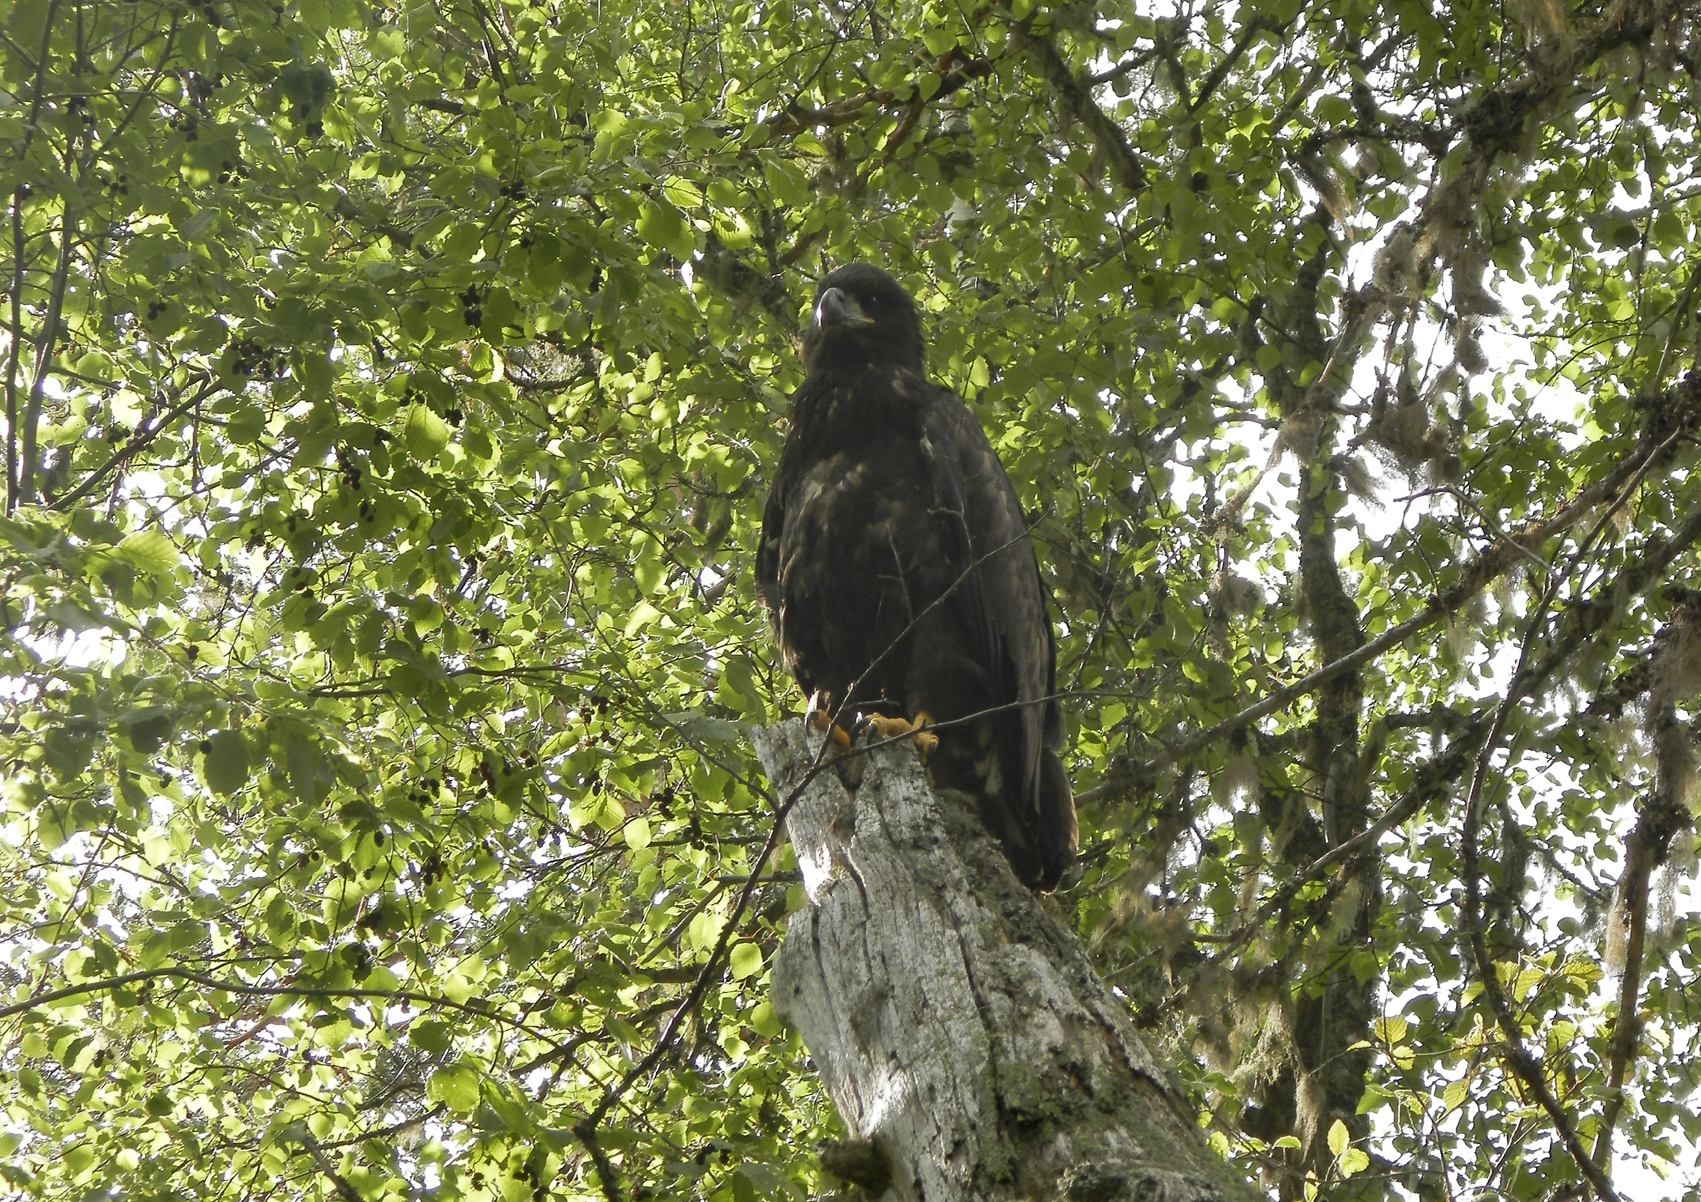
point(959, 1028)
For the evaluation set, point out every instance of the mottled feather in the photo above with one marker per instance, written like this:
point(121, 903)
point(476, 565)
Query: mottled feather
point(896, 566)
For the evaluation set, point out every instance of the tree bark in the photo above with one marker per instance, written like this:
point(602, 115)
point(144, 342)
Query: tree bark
point(957, 1025)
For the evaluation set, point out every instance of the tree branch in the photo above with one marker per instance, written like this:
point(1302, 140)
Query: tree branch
point(20, 194)
point(585, 1131)
point(15, 342)
point(206, 981)
point(1435, 776)
point(1581, 622)
point(44, 356)
point(1076, 96)
point(1126, 67)
point(723, 269)
point(1433, 780)
point(798, 117)
point(344, 1188)
point(1248, 34)
point(1643, 852)
point(143, 437)
point(1662, 814)
point(1475, 576)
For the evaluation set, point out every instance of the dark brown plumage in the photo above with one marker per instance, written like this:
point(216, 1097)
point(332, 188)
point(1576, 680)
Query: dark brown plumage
point(896, 566)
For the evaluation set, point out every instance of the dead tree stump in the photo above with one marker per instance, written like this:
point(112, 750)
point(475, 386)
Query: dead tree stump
point(958, 1026)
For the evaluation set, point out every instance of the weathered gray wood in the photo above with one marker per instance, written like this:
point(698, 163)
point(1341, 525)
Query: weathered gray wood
point(956, 1024)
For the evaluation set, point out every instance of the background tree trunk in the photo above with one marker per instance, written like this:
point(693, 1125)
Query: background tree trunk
point(958, 1026)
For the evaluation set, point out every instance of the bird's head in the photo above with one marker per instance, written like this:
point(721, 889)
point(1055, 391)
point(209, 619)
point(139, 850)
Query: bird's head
point(862, 315)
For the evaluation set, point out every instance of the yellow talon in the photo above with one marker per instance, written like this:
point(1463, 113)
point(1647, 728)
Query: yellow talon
point(819, 715)
point(891, 728)
point(924, 739)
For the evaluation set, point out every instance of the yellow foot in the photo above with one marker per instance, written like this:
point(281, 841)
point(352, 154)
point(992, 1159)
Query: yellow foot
point(890, 728)
point(818, 716)
point(923, 737)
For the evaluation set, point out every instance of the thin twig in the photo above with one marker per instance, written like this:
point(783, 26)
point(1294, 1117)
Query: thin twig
point(1077, 97)
point(44, 356)
point(1473, 578)
point(38, 90)
point(345, 1189)
point(1434, 776)
point(143, 436)
point(1220, 72)
point(585, 1131)
point(247, 989)
point(1662, 815)
point(1583, 622)
point(1677, 323)
point(15, 342)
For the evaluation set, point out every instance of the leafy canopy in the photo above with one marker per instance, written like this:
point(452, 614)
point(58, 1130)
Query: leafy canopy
point(391, 391)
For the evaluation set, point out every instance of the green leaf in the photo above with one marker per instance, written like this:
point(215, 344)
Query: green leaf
point(148, 551)
point(434, 1037)
point(765, 1021)
point(424, 433)
point(1455, 1093)
point(939, 40)
point(457, 1086)
point(665, 227)
point(1340, 1139)
point(768, 1182)
point(745, 960)
point(738, 687)
point(146, 729)
point(306, 87)
point(224, 761)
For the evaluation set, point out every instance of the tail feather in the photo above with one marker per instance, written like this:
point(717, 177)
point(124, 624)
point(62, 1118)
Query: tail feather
point(1057, 835)
point(1034, 820)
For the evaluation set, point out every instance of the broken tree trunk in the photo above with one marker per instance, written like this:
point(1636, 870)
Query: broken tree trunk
point(959, 1028)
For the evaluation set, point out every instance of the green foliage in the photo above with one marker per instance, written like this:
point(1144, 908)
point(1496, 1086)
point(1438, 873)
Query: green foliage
point(391, 393)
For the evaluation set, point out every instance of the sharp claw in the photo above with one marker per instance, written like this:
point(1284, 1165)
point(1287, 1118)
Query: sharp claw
point(926, 742)
point(893, 728)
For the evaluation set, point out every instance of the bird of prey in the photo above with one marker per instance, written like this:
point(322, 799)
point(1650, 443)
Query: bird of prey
point(896, 567)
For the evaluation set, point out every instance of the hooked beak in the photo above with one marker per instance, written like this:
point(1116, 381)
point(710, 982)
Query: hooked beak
point(835, 308)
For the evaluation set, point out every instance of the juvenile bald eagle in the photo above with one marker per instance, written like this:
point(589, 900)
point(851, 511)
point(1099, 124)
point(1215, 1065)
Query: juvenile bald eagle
point(896, 566)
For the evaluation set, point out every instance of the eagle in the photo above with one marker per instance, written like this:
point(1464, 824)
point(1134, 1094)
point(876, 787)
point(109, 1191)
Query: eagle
point(897, 571)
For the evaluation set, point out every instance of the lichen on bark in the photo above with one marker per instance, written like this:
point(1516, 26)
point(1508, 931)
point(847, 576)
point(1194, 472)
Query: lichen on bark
point(956, 1022)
